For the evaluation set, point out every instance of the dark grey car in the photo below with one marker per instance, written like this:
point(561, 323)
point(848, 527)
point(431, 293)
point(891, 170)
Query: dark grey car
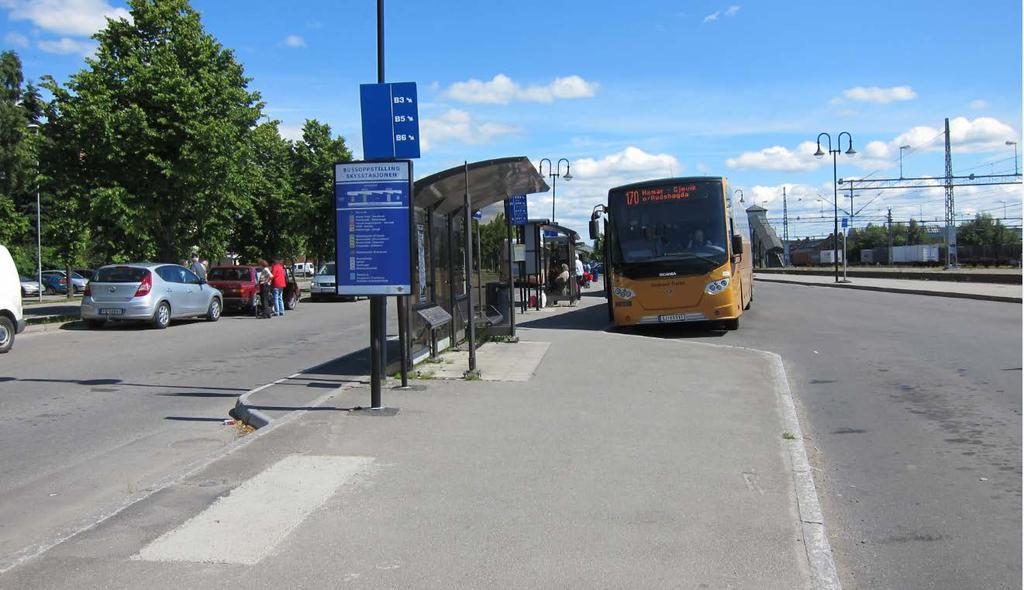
point(150, 292)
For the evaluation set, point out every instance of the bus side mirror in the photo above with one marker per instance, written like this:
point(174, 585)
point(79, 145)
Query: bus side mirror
point(595, 229)
point(737, 244)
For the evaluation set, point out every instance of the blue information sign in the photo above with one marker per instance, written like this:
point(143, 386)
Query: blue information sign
point(846, 222)
point(517, 210)
point(391, 126)
point(372, 212)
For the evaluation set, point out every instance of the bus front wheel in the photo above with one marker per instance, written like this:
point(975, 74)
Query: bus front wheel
point(733, 324)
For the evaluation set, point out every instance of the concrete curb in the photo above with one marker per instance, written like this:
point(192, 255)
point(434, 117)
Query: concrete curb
point(950, 294)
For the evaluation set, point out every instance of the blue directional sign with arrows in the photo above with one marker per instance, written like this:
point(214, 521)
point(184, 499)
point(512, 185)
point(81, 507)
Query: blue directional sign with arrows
point(391, 126)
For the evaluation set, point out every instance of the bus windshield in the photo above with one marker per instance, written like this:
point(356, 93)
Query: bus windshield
point(681, 222)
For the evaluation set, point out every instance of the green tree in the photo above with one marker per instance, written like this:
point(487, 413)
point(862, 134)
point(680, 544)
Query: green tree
point(18, 171)
point(313, 159)
point(272, 226)
point(983, 230)
point(492, 238)
point(151, 137)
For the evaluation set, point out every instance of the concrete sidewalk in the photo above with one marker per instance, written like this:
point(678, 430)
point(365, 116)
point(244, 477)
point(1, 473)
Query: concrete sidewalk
point(983, 291)
point(624, 462)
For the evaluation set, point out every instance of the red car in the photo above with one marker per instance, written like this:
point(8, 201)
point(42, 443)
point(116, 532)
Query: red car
point(241, 291)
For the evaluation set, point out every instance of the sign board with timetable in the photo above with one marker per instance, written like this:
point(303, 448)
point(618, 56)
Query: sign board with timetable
point(373, 217)
point(390, 117)
point(517, 209)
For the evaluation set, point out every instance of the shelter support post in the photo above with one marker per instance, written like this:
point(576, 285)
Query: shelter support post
point(471, 327)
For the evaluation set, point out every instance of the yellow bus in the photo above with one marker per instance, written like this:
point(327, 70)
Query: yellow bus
point(673, 254)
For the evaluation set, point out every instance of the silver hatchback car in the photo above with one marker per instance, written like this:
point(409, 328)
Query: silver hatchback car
point(156, 293)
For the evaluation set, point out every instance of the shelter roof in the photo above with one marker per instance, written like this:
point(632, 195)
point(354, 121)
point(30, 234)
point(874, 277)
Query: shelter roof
point(490, 181)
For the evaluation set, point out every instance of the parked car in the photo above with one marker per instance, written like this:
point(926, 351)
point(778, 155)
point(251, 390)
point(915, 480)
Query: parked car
point(55, 281)
point(241, 290)
point(11, 320)
point(322, 285)
point(155, 293)
point(29, 287)
point(303, 269)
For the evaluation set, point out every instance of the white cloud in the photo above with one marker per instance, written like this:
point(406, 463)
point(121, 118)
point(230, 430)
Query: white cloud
point(880, 95)
point(979, 104)
point(67, 46)
point(294, 41)
point(80, 18)
point(290, 132)
point(13, 39)
point(983, 134)
point(592, 177)
point(502, 90)
point(778, 158)
point(728, 12)
point(460, 126)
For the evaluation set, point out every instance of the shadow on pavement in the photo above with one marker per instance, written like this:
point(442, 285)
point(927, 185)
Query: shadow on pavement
point(592, 317)
point(192, 419)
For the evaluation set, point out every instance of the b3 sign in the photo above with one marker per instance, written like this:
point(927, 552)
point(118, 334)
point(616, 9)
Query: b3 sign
point(391, 126)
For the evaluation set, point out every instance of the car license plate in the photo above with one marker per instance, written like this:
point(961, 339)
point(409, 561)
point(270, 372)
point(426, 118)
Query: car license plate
point(111, 311)
point(679, 317)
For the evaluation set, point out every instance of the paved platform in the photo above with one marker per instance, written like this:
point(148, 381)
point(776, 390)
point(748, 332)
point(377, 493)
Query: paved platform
point(495, 361)
point(984, 291)
point(625, 462)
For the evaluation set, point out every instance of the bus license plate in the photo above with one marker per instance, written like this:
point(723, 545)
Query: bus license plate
point(111, 311)
point(679, 317)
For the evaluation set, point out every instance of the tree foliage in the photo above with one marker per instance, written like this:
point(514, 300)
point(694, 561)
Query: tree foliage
point(151, 137)
point(18, 171)
point(984, 230)
point(313, 159)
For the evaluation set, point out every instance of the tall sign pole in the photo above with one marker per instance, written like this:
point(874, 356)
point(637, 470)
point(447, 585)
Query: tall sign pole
point(373, 203)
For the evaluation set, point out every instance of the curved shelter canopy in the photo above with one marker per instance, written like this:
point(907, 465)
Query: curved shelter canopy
point(490, 181)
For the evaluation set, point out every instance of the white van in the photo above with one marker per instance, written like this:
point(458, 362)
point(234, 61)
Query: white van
point(11, 320)
point(303, 269)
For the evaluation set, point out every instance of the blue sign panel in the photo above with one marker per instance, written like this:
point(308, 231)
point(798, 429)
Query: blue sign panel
point(517, 210)
point(846, 223)
point(391, 126)
point(478, 215)
point(372, 212)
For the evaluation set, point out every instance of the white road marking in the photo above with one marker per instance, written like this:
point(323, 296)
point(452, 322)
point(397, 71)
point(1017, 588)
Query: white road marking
point(245, 525)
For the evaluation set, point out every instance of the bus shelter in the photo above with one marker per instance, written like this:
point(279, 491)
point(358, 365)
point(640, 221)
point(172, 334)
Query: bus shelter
point(444, 253)
point(550, 250)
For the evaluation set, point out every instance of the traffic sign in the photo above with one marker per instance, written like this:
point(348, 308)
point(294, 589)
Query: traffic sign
point(846, 222)
point(390, 115)
point(517, 210)
point(478, 215)
point(373, 213)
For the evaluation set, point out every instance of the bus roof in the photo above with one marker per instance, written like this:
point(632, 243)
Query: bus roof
point(661, 181)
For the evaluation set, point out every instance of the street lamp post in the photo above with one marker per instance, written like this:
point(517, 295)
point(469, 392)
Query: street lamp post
point(554, 174)
point(902, 147)
point(39, 235)
point(835, 187)
point(1016, 170)
point(740, 191)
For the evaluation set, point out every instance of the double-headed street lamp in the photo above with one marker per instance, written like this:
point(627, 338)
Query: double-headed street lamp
point(835, 187)
point(740, 191)
point(554, 174)
point(39, 239)
point(1016, 170)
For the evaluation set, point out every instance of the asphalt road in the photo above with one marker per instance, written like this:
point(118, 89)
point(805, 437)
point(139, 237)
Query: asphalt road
point(90, 419)
point(912, 408)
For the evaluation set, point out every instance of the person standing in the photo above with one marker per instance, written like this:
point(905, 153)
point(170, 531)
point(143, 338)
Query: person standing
point(265, 278)
point(279, 283)
point(197, 267)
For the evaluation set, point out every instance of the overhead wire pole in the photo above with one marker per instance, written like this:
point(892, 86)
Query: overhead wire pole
point(951, 258)
point(785, 230)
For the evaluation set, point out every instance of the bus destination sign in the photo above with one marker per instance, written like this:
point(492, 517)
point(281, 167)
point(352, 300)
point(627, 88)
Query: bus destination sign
point(658, 194)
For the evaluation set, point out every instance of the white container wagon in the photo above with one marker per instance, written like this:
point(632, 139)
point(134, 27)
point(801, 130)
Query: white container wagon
point(915, 254)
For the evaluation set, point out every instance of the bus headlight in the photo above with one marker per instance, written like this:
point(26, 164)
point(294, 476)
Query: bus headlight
point(716, 287)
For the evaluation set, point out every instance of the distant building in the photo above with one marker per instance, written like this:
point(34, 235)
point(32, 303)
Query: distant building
point(765, 244)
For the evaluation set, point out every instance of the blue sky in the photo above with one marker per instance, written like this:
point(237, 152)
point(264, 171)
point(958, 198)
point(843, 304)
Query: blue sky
point(635, 90)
